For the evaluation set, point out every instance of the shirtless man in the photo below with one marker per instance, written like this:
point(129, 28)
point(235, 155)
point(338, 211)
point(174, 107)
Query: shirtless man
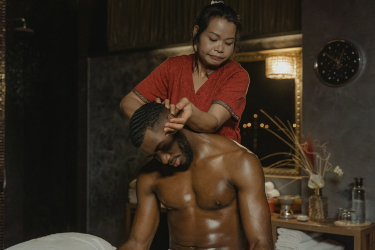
point(212, 187)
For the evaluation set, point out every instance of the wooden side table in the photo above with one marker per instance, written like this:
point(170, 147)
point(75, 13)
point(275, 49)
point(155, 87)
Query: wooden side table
point(364, 236)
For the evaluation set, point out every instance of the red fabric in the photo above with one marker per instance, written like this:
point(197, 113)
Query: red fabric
point(308, 149)
point(226, 86)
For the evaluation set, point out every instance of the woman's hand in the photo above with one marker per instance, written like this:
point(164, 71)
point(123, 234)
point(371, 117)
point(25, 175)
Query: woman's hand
point(172, 108)
point(180, 114)
point(165, 102)
point(184, 112)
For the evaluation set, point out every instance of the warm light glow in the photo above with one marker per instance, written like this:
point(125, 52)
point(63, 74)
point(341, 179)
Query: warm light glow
point(266, 126)
point(281, 67)
point(255, 116)
point(244, 125)
point(294, 125)
point(249, 124)
point(261, 125)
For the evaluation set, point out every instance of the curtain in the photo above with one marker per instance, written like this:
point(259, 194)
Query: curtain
point(155, 23)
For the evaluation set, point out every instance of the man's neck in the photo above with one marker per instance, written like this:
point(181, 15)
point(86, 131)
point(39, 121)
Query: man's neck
point(197, 142)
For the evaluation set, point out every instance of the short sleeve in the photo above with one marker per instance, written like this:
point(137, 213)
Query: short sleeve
point(155, 85)
point(232, 94)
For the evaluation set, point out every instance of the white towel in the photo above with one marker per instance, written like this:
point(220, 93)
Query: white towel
point(133, 183)
point(328, 245)
point(133, 196)
point(296, 235)
point(64, 241)
point(291, 245)
point(273, 193)
point(132, 191)
point(269, 186)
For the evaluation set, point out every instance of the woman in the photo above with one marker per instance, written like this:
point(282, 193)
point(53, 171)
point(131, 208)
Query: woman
point(208, 88)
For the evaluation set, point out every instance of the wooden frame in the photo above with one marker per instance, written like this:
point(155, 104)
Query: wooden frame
point(261, 56)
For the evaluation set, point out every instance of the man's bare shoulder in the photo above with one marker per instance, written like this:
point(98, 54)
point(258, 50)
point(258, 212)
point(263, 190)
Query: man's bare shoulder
point(150, 173)
point(227, 147)
point(236, 158)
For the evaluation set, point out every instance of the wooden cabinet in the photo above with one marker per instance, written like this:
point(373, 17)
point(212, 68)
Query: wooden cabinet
point(364, 236)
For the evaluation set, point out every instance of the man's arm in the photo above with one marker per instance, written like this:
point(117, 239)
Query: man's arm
point(255, 215)
point(146, 218)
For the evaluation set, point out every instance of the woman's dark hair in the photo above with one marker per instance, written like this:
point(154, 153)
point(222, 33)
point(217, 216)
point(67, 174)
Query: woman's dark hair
point(217, 10)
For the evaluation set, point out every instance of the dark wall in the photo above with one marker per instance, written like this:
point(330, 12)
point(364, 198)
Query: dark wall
point(46, 106)
point(44, 129)
point(41, 119)
point(113, 162)
point(344, 116)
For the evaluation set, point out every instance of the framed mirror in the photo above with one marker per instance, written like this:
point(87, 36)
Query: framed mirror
point(280, 98)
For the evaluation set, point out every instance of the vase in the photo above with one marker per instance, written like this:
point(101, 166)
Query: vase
point(318, 206)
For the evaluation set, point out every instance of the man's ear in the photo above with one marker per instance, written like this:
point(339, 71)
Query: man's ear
point(195, 30)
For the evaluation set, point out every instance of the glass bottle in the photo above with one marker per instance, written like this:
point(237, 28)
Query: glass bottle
point(359, 202)
point(318, 206)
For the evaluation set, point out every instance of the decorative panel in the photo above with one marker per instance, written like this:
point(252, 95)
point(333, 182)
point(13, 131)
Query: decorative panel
point(145, 23)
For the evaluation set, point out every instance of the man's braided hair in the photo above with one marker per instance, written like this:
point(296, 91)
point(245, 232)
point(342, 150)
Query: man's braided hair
point(148, 116)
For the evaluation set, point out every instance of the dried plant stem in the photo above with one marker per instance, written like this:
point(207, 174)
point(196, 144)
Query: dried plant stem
point(290, 182)
point(300, 158)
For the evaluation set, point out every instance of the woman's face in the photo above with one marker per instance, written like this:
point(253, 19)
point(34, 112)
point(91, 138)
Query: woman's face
point(216, 43)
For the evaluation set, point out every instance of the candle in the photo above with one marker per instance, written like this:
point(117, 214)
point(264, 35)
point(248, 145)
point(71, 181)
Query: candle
point(271, 204)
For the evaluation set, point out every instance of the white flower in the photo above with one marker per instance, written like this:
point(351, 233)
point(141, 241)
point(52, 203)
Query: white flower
point(338, 171)
point(315, 181)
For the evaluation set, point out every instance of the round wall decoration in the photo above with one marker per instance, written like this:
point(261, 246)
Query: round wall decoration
point(337, 63)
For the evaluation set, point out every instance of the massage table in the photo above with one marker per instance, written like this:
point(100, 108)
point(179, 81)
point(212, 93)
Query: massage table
point(65, 241)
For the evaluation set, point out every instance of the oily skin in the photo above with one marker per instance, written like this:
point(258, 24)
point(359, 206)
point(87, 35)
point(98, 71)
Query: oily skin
point(216, 203)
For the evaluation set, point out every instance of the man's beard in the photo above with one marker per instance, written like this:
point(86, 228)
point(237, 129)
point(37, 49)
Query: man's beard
point(185, 148)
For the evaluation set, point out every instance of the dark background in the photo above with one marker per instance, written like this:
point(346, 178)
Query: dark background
point(46, 109)
point(46, 114)
point(42, 121)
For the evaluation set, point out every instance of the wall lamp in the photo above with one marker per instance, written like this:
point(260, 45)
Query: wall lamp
point(280, 67)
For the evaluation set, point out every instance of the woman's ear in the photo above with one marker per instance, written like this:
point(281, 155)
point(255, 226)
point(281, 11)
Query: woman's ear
point(195, 30)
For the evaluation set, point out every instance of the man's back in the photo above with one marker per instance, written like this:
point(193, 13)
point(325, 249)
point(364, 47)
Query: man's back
point(202, 200)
